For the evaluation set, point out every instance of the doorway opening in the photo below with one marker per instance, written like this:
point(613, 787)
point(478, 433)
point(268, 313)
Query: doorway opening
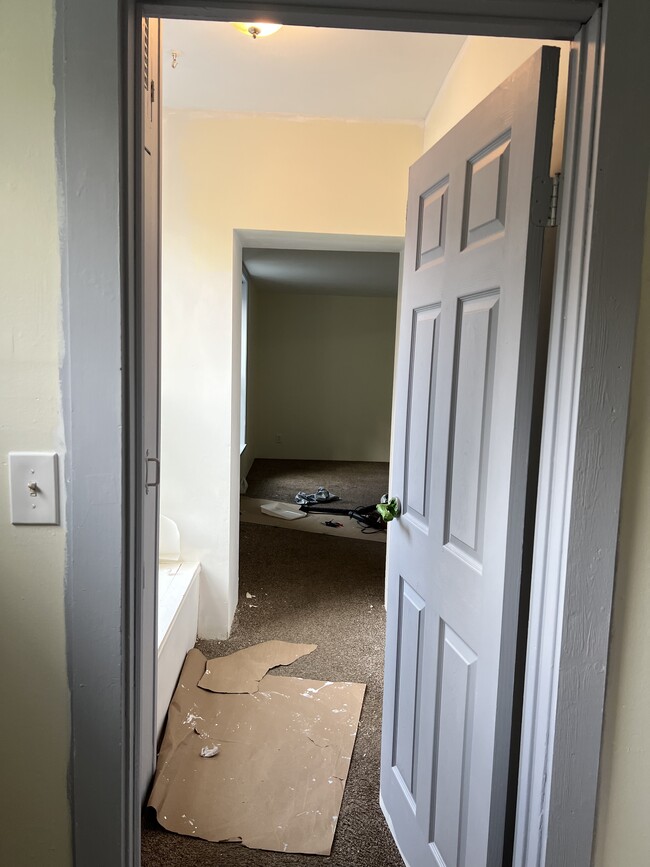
point(317, 386)
point(200, 320)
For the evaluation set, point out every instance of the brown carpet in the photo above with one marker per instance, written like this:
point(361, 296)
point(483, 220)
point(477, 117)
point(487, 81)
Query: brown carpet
point(357, 483)
point(308, 588)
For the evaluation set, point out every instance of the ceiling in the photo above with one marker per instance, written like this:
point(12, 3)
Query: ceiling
point(323, 272)
point(305, 71)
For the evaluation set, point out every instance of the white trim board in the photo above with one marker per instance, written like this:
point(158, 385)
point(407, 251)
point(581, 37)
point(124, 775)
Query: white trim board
point(271, 240)
point(94, 82)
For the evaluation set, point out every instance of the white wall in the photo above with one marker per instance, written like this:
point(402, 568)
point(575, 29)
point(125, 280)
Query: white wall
point(247, 172)
point(321, 376)
point(34, 724)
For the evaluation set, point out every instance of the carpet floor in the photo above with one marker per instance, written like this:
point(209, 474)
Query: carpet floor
point(357, 483)
point(313, 589)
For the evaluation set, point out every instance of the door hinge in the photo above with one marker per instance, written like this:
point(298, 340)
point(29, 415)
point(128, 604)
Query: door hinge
point(544, 211)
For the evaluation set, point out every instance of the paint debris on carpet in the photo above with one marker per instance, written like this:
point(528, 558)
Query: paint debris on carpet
point(279, 749)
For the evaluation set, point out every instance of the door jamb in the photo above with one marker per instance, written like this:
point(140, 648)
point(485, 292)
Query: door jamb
point(544, 653)
point(591, 502)
point(540, 787)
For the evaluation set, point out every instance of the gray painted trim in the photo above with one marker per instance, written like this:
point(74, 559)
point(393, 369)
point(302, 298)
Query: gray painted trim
point(544, 19)
point(129, 168)
point(87, 78)
point(599, 276)
point(612, 281)
point(558, 447)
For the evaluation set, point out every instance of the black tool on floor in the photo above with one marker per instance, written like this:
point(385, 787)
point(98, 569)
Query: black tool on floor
point(368, 516)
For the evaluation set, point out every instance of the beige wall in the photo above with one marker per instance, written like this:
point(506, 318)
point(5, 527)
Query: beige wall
point(34, 736)
point(219, 174)
point(623, 826)
point(321, 376)
point(481, 65)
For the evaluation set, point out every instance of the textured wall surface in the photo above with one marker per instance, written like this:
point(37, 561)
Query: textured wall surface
point(34, 725)
point(623, 830)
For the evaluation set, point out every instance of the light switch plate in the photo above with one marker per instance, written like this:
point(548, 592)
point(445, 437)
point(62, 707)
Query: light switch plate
point(40, 503)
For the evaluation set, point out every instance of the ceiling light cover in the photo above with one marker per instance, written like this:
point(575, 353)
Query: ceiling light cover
point(256, 28)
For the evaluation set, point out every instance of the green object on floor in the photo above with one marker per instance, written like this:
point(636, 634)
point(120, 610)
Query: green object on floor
point(389, 510)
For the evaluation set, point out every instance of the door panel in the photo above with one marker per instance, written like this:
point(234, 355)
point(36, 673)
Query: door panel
point(409, 671)
point(473, 378)
point(422, 377)
point(464, 385)
point(486, 191)
point(452, 738)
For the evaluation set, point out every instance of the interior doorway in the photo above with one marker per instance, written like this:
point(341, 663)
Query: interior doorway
point(176, 324)
point(603, 141)
point(321, 341)
point(317, 382)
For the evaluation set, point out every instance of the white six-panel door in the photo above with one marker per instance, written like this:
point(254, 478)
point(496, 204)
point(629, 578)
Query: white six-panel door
point(466, 359)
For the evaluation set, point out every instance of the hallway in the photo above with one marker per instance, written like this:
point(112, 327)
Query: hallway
point(308, 588)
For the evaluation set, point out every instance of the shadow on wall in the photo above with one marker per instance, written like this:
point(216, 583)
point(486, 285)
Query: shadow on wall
point(320, 376)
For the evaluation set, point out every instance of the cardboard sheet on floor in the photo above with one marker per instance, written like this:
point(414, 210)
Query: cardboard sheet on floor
point(243, 670)
point(284, 754)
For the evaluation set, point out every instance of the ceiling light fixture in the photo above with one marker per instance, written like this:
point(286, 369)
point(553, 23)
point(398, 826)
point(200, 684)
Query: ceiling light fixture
point(256, 28)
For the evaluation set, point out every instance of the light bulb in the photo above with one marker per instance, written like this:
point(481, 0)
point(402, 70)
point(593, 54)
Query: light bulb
point(256, 28)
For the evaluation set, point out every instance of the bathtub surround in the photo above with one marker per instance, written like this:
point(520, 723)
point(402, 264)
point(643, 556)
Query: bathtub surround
point(178, 615)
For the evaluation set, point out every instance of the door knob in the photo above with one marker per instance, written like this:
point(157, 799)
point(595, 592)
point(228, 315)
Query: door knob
point(389, 509)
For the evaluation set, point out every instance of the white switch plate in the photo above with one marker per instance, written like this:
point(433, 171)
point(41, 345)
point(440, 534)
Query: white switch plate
point(39, 506)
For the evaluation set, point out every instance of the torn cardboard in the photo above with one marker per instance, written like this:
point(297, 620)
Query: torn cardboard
point(278, 780)
point(242, 671)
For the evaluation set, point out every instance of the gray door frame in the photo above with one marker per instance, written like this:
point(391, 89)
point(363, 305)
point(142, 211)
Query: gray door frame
point(585, 422)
